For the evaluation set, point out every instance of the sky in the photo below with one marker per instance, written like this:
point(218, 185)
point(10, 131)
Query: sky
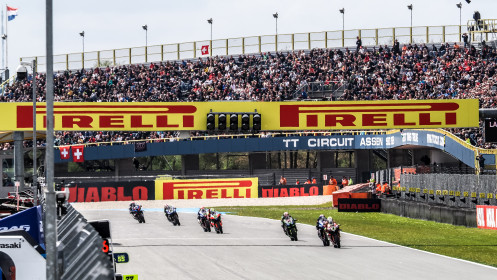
point(110, 24)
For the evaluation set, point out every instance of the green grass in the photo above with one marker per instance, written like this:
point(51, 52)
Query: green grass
point(472, 244)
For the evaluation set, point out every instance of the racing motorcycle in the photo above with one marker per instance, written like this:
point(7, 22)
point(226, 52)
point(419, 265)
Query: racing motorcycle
point(290, 228)
point(172, 216)
point(138, 215)
point(322, 234)
point(205, 224)
point(333, 234)
point(216, 222)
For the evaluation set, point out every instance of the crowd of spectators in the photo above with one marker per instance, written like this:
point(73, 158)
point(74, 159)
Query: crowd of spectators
point(380, 73)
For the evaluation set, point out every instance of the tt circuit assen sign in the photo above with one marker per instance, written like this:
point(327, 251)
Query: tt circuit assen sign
point(147, 116)
point(206, 188)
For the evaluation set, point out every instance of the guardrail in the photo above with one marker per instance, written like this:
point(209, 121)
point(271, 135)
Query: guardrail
point(253, 44)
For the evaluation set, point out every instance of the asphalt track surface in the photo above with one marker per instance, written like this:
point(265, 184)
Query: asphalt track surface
point(257, 248)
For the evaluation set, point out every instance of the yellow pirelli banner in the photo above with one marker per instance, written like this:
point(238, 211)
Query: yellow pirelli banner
point(206, 188)
point(174, 116)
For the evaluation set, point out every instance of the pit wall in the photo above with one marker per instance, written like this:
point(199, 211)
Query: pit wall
point(437, 213)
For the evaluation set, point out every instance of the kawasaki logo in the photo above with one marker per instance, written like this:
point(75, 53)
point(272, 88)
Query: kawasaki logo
point(10, 246)
point(24, 227)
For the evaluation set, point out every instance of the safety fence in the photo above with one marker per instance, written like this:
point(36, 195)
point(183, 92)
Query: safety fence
point(253, 44)
point(456, 190)
point(80, 249)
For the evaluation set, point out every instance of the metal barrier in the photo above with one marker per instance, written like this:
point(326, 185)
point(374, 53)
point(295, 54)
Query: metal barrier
point(253, 44)
point(80, 249)
point(456, 190)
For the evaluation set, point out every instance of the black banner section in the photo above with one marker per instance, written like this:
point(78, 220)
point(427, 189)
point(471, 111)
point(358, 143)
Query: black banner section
point(491, 130)
point(292, 190)
point(140, 146)
point(359, 205)
point(112, 191)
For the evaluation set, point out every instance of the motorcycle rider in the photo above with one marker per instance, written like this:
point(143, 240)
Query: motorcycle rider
point(168, 209)
point(202, 212)
point(131, 206)
point(285, 217)
point(332, 222)
point(212, 215)
point(334, 225)
point(212, 212)
point(136, 208)
point(321, 224)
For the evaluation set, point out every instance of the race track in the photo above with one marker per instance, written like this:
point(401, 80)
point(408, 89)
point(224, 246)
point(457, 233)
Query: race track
point(255, 248)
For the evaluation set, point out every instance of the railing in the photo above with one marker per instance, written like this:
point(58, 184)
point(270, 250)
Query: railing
point(318, 90)
point(482, 27)
point(7, 82)
point(253, 44)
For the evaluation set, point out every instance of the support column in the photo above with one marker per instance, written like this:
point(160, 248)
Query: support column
point(189, 162)
point(362, 159)
point(19, 158)
point(257, 161)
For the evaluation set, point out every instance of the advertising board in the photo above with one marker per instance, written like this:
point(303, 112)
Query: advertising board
point(206, 188)
point(152, 116)
point(111, 191)
point(486, 216)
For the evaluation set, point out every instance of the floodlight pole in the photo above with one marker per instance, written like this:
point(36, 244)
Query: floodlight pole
point(50, 207)
point(35, 175)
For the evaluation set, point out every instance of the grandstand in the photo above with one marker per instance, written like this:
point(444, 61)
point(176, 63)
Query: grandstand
point(373, 73)
point(409, 71)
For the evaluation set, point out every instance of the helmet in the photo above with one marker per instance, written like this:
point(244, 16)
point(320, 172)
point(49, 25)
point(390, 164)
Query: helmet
point(166, 206)
point(212, 210)
point(285, 214)
point(321, 216)
point(330, 220)
point(202, 208)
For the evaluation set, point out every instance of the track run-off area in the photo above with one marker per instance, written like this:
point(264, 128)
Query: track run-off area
point(257, 248)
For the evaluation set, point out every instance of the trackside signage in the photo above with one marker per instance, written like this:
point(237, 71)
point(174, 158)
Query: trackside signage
point(486, 216)
point(206, 188)
point(359, 205)
point(148, 116)
point(287, 191)
point(111, 191)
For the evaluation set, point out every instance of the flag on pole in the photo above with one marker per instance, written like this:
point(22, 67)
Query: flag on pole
point(78, 153)
point(205, 49)
point(65, 152)
point(11, 13)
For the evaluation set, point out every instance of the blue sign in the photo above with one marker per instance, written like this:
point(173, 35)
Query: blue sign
point(29, 220)
point(422, 138)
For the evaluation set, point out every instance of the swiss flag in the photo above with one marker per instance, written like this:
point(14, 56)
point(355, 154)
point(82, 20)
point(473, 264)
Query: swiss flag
point(64, 152)
point(78, 153)
point(205, 49)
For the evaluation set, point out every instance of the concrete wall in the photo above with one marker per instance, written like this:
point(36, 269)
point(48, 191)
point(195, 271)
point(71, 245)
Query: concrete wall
point(438, 213)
